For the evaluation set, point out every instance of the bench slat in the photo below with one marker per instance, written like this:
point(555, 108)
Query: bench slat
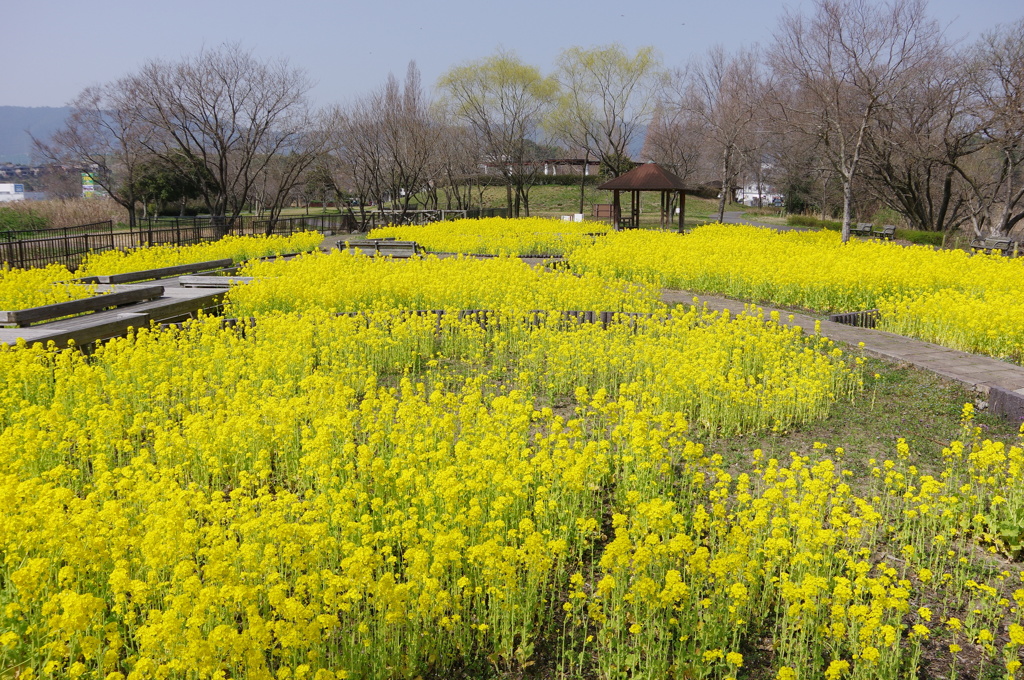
point(212, 281)
point(90, 304)
point(373, 247)
point(988, 245)
point(163, 272)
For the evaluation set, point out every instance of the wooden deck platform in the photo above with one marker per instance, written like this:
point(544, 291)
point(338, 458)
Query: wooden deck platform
point(175, 303)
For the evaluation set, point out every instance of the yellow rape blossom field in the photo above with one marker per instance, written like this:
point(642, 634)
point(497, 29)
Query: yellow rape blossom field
point(238, 248)
point(334, 486)
point(343, 282)
point(949, 297)
point(496, 236)
point(25, 288)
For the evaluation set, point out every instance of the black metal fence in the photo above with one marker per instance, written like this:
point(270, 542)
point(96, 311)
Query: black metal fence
point(70, 245)
point(67, 246)
point(90, 229)
point(864, 319)
point(477, 213)
point(249, 225)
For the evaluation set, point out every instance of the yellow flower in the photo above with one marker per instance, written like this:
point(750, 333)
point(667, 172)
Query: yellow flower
point(836, 668)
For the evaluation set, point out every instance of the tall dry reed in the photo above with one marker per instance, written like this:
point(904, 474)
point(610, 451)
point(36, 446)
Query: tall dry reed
point(73, 211)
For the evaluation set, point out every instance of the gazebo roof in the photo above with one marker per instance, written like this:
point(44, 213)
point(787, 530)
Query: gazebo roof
point(646, 177)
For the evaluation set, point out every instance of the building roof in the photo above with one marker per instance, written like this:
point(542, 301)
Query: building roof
point(646, 177)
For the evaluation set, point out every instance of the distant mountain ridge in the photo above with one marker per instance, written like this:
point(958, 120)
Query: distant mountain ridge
point(17, 121)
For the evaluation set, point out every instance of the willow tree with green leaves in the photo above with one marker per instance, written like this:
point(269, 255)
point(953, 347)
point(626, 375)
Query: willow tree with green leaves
point(607, 99)
point(503, 100)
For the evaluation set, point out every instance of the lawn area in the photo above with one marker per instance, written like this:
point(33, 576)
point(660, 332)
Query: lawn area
point(555, 201)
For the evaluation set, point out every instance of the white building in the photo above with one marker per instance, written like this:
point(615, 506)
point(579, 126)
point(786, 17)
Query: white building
point(12, 192)
point(758, 195)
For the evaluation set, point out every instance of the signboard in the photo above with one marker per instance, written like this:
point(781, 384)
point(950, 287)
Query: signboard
point(90, 189)
point(19, 188)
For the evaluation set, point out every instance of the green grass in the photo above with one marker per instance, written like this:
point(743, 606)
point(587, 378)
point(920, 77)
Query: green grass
point(554, 201)
point(923, 238)
point(902, 401)
point(15, 220)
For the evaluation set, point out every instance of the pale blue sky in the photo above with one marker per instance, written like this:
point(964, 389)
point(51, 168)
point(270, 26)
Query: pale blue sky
point(54, 48)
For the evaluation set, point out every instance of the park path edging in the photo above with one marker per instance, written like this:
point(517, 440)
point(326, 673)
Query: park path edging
point(1001, 382)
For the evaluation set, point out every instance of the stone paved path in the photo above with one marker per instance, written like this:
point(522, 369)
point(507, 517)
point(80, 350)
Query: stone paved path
point(980, 372)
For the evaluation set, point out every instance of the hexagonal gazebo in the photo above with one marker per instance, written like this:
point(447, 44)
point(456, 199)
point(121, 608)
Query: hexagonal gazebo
point(646, 177)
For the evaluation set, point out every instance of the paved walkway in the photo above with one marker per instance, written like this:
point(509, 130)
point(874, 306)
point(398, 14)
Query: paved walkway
point(980, 372)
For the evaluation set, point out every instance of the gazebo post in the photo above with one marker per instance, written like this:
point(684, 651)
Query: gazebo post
point(682, 209)
point(616, 210)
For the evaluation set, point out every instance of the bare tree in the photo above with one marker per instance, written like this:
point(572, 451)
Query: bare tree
point(607, 99)
point(283, 173)
point(503, 100)
point(995, 174)
point(852, 59)
point(104, 131)
point(912, 153)
point(354, 154)
point(383, 146)
point(229, 112)
point(675, 140)
point(726, 93)
point(458, 152)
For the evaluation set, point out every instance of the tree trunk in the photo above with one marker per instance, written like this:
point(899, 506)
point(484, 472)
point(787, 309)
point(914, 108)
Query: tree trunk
point(847, 206)
point(131, 211)
point(583, 177)
point(725, 184)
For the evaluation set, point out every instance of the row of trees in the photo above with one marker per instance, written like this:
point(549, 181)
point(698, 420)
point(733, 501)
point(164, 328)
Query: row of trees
point(216, 127)
point(853, 106)
point(234, 133)
point(856, 106)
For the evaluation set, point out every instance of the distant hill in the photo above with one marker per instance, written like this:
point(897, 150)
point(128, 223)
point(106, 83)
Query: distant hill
point(17, 121)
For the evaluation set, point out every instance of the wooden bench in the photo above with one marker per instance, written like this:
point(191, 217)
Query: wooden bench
point(886, 233)
point(210, 281)
point(861, 229)
point(1004, 246)
point(381, 247)
point(96, 303)
point(165, 272)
